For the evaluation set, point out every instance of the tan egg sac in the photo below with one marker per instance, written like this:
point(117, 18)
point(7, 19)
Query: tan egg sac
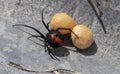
point(62, 20)
point(84, 36)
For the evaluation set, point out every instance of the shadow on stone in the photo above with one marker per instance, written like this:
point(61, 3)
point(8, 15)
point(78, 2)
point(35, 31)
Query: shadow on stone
point(62, 52)
point(89, 51)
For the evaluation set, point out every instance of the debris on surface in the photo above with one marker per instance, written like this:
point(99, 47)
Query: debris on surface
point(49, 70)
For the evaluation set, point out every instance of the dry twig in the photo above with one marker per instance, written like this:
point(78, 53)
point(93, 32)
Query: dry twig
point(93, 4)
point(50, 70)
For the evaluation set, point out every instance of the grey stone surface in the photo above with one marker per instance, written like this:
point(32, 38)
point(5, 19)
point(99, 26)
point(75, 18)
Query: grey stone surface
point(104, 58)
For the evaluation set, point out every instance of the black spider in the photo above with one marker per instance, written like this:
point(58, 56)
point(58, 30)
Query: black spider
point(53, 39)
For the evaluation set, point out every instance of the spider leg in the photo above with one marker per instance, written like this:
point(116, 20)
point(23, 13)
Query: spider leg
point(51, 51)
point(35, 42)
point(36, 36)
point(42, 36)
point(23, 30)
point(52, 55)
point(67, 29)
point(46, 25)
point(45, 45)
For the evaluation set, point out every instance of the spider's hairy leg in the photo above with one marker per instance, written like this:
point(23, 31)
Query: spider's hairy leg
point(42, 36)
point(29, 38)
point(67, 29)
point(36, 36)
point(35, 42)
point(45, 45)
point(51, 52)
point(46, 25)
point(53, 56)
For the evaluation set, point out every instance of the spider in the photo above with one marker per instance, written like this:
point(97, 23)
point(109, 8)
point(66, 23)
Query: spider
point(53, 39)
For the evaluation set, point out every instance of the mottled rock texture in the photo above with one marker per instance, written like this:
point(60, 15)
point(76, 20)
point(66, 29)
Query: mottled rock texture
point(103, 57)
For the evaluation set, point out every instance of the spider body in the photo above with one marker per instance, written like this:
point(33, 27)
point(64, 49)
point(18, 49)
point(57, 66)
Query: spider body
point(54, 39)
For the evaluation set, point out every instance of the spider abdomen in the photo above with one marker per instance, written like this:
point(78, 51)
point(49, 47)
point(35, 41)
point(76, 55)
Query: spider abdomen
point(54, 39)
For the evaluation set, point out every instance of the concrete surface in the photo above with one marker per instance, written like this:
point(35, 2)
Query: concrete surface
point(102, 58)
